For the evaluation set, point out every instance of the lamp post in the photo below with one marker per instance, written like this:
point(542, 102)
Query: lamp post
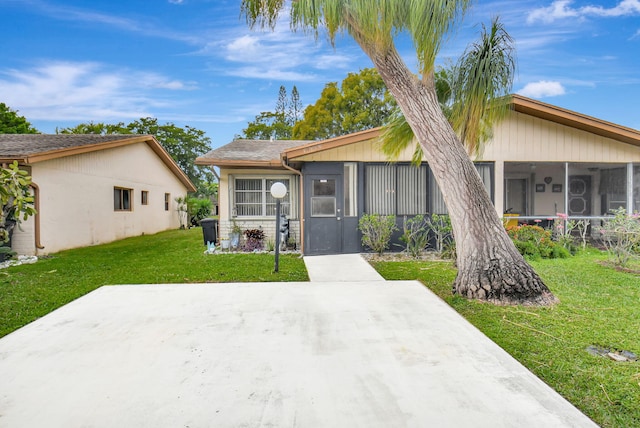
point(278, 191)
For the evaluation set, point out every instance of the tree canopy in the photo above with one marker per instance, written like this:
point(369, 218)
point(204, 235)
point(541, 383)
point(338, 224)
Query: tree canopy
point(12, 123)
point(184, 145)
point(361, 102)
point(276, 124)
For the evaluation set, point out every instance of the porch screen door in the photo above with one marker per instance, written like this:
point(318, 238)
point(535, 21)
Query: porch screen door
point(324, 215)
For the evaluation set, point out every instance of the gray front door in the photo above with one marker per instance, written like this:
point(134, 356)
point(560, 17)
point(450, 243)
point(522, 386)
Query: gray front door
point(323, 214)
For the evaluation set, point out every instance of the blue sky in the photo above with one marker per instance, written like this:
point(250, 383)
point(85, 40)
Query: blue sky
point(195, 62)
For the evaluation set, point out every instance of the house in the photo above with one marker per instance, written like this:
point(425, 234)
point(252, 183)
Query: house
point(93, 189)
point(542, 160)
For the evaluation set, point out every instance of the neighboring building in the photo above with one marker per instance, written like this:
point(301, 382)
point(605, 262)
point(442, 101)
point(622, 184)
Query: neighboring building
point(542, 160)
point(93, 189)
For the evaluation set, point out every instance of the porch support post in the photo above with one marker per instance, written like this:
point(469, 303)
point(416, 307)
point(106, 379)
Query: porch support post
point(566, 189)
point(630, 188)
point(498, 183)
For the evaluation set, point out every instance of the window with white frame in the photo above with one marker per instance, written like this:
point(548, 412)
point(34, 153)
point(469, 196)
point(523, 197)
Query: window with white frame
point(252, 197)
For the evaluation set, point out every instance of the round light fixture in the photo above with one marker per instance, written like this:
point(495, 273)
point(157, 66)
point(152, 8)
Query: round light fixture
point(278, 190)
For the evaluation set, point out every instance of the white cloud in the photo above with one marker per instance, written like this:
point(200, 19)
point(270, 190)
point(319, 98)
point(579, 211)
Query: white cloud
point(542, 89)
point(561, 9)
point(85, 91)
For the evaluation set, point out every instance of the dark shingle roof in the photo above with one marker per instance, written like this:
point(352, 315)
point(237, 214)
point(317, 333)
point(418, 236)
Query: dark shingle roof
point(259, 151)
point(22, 146)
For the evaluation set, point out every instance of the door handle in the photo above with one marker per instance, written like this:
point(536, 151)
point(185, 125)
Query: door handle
point(338, 218)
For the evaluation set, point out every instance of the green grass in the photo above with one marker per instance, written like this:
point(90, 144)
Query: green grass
point(598, 306)
point(28, 292)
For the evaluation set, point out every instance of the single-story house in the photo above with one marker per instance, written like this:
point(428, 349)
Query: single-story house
point(542, 160)
point(93, 189)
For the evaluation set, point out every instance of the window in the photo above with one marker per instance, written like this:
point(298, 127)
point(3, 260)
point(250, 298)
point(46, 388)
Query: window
point(121, 199)
point(323, 198)
point(350, 189)
point(167, 198)
point(252, 197)
point(396, 189)
point(144, 197)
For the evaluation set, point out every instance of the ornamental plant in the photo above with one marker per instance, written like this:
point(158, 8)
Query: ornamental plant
point(15, 199)
point(440, 226)
point(254, 241)
point(376, 231)
point(415, 235)
point(535, 242)
point(620, 235)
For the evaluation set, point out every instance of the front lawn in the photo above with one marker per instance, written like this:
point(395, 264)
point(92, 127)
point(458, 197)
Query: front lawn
point(598, 306)
point(30, 291)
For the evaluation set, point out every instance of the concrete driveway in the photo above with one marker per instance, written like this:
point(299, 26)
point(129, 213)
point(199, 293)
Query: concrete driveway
point(315, 354)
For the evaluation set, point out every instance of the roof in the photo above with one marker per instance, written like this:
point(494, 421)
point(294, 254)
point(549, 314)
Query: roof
point(270, 153)
point(265, 153)
point(33, 148)
point(575, 120)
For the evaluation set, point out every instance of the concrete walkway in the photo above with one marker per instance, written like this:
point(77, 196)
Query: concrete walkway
point(312, 354)
point(340, 268)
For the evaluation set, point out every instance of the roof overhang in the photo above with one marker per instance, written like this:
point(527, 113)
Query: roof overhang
point(94, 147)
point(332, 143)
point(575, 120)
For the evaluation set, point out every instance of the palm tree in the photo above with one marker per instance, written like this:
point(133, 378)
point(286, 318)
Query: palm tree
point(489, 266)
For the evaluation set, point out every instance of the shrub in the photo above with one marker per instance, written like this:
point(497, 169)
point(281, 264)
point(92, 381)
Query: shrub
point(199, 209)
point(440, 226)
point(254, 241)
point(415, 235)
point(621, 236)
point(376, 231)
point(535, 242)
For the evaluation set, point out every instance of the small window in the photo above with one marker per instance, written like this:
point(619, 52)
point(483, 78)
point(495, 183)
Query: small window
point(167, 198)
point(144, 197)
point(121, 199)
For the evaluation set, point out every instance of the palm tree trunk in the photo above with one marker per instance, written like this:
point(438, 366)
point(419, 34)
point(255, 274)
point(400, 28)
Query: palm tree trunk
point(489, 266)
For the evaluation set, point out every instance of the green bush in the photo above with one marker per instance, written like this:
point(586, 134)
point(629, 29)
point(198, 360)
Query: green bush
point(199, 209)
point(415, 235)
point(534, 242)
point(440, 226)
point(376, 231)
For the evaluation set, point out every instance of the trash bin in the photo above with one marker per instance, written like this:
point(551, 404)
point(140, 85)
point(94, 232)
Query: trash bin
point(209, 230)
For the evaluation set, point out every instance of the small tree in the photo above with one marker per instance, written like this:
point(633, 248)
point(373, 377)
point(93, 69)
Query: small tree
point(376, 231)
point(15, 198)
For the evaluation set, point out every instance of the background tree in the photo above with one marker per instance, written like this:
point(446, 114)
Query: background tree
point(489, 266)
point(184, 145)
point(12, 123)
point(361, 102)
point(276, 124)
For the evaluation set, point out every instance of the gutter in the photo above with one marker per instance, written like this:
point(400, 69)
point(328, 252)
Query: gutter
point(301, 187)
point(36, 217)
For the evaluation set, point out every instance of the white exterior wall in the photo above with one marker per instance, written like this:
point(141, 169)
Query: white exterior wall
point(266, 224)
point(76, 197)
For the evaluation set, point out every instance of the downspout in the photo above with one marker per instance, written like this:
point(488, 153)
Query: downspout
point(36, 217)
point(301, 201)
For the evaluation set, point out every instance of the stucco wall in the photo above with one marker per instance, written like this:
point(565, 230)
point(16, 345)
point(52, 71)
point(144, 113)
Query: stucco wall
point(76, 197)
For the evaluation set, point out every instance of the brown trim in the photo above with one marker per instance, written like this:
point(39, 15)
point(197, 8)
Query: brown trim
point(332, 143)
point(125, 141)
point(300, 202)
point(36, 217)
point(575, 120)
point(273, 163)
